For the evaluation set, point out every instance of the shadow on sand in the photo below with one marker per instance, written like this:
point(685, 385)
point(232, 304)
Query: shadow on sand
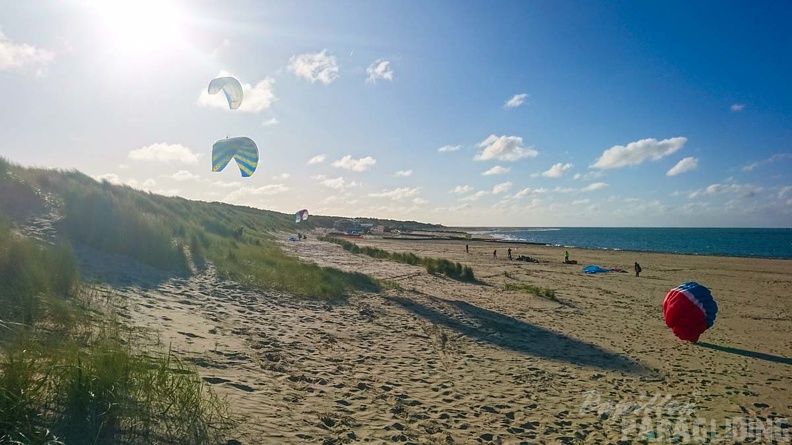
point(746, 353)
point(510, 333)
point(120, 271)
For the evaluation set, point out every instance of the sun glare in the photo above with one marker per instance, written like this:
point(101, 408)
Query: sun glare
point(141, 27)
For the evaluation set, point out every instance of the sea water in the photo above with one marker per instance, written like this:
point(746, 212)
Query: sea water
point(765, 243)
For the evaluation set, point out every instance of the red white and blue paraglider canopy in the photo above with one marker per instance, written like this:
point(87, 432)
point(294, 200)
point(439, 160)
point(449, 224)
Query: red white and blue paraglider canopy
point(689, 310)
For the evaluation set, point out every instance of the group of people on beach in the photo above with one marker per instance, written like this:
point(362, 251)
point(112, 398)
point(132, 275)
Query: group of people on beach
point(637, 266)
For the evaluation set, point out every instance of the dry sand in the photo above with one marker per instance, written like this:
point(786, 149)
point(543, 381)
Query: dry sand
point(432, 360)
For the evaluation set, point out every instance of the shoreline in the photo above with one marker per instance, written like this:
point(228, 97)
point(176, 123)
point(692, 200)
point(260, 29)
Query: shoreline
point(495, 240)
point(427, 234)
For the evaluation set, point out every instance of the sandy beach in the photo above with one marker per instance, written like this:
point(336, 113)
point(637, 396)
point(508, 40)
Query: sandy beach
point(432, 360)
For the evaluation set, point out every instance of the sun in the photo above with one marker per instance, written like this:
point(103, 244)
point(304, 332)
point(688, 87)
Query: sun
point(139, 27)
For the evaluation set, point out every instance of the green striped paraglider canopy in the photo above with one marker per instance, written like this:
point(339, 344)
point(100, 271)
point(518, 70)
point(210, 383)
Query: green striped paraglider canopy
point(241, 149)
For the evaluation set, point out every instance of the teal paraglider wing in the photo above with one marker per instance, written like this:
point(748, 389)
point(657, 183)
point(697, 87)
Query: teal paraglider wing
point(242, 149)
point(230, 87)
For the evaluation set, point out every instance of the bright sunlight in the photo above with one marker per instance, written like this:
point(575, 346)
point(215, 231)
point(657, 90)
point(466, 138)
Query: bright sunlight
point(140, 28)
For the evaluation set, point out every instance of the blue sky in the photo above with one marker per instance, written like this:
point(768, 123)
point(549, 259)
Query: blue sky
point(525, 113)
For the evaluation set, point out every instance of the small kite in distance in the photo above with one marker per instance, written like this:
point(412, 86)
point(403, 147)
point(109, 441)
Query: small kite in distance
point(301, 215)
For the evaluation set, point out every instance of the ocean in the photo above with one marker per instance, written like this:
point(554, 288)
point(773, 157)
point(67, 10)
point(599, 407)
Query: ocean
point(760, 243)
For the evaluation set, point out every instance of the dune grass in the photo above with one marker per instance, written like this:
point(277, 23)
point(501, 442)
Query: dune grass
point(546, 293)
point(435, 266)
point(70, 373)
point(168, 232)
point(266, 265)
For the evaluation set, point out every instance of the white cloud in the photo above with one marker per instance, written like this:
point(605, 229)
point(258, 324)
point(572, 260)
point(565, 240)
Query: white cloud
point(379, 70)
point(340, 198)
point(403, 173)
point(169, 192)
point(497, 170)
point(475, 196)
point(685, 165)
point(743, 190)
point(183, 175)
point(581, 201)
point(636, 153)
point(529, 192)
point(281, 176)
point(397, 193)
point(162, 152)
point(315, 67)
point(501, 188)
point(269, 122)
point(504, 148)
point(112, 178)
point(449, 148)
point(784, 191)
point(338, 183)
point(589, 176)
point(226, 184)
point(419, 201)
point(557, 170)
point(318, 159)
point(16, 55)
point(256, 98)
point(356, 165)
point(516, 101)
point(595, 186)
point(461, 189)
point(737, 107)
point(246, 192)
point(775, 158)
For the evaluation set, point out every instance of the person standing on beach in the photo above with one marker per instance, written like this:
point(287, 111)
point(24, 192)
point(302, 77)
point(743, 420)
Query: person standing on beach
point(566, 257)
point(509, 252)
point(637, 269)
point(466, 249)
point(495, 253)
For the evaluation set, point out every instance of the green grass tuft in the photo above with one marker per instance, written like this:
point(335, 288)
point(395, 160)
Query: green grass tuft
point(545, 293)
point(434, 266)
point(267, 266)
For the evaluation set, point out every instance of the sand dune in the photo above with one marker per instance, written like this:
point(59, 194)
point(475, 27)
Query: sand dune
point(432, 360)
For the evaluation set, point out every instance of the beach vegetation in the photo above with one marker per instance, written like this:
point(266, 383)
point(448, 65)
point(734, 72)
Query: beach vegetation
point(267, 266)
point(434, 266)
point(171, 233)
point(71, 373)
point(541, 292)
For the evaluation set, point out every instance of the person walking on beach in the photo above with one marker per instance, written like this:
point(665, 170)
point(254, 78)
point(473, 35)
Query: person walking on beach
point(495, 253)
point(509, 252)
point(637, 269)
point(466, 249)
